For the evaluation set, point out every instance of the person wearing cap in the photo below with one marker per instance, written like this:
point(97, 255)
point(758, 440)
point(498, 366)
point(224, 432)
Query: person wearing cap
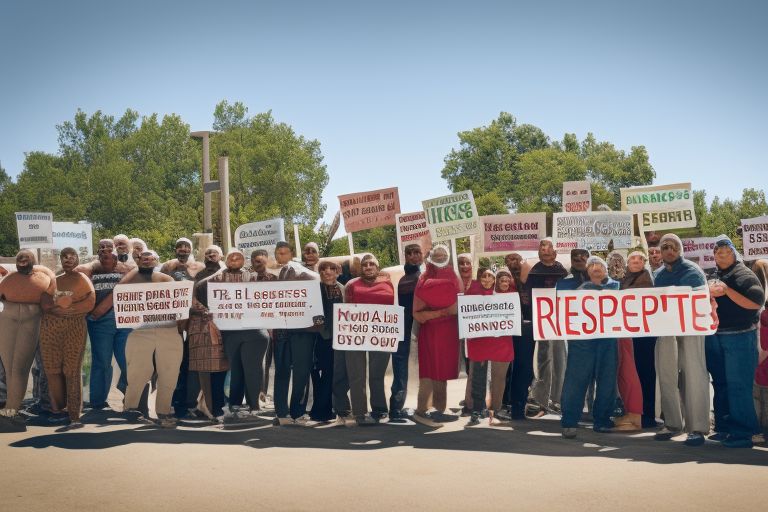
point(372, 287)
point(676, 354)
point(151, 349)
point(588, 361)
point(435, 307)
point(731, 352)
point(184, 268)
point(310, 256)
point(21, 293)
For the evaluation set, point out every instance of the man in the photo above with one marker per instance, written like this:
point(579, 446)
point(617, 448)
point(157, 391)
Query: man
point(405, 290)
point(184, 268)
point(21, 293)
point(579, 274)
point(551, 354)
point(675, 354)
point(310, 255)
point(654, 257)
point(123, 249)
point(293, 351)
point(162, 342)
point(137, 247)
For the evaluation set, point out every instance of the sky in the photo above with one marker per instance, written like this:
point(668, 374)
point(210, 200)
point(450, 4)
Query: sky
point(386, 86)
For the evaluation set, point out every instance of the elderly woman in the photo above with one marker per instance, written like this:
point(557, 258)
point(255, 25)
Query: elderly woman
point(434, 307)
point(590, 360)
point(62, 338)
point(732, 351)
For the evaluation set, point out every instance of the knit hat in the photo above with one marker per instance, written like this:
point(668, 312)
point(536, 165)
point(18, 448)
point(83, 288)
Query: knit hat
point(597, 260)
point(673, 238)
point(724, 241)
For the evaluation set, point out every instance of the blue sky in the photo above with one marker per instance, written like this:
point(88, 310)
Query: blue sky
point(386, 86)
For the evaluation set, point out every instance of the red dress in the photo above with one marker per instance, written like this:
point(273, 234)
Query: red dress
point(439, 337)
point(491, 348)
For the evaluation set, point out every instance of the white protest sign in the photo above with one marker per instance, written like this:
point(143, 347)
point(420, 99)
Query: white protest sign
point(755, 238)
point(145, 305)
point(700, 251)
point(588, 314)
point(412, 229)
point(259, 235)
point(452, 216)
point(369, 327)
point(75, 235)
point(265, 304)
point(482, 316)
point(577, 196)
point(592, 230)
point(35, 230)
point(661, 207)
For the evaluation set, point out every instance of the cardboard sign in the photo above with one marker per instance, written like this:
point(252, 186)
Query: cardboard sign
point(482, 316)
point(75, 235)
point(412, 229)
point(592, 230)
point(577, 197)
point(35, 230)
point(700, 251)
point(661, 207)
point(366, 210)
point(265, 305)
point(755, 238)
point(513, 232)
point(260, 235)
point(145, 305)
point(589, 314)
point(369, 327)
point(452, 216)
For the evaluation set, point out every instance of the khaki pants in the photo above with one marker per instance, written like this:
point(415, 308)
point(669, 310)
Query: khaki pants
point(166, 345)
point(675, 354)
point(19, 331)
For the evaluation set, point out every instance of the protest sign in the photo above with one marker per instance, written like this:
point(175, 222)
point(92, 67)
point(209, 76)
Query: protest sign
point(755, 238)
point(452, 216)
point(370, 327)
point(145, 305)
point(265, 304)
point(365, 210)
point(700, 251)
point(35, 230)
point(259, 235)
point(577, 196)
point(592, 230)
point(589, 314)
point(513, 232)
point(72, 234)
point(489, 315)
point(412, 229)
point(661, 207)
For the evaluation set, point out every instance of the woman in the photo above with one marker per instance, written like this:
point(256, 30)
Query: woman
point(732, 351)
point(590, 360)
point(434, 307)
point(62, 338)
point(206, 349)
point(498, 350)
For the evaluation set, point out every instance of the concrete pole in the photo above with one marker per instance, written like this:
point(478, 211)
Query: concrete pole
point(226, 237)
point(207, 224)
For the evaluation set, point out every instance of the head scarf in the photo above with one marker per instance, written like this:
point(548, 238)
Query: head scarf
point(674, 238)
point(597, 260)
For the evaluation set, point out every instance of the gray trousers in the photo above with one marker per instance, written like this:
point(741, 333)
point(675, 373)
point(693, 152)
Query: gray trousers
point(376, 365)
point(550, 371)
point(684, 356)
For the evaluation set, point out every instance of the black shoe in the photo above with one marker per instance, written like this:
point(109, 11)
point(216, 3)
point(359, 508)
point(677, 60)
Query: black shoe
point(378, 415)
point(441, 417)
point(58, 418)
point(135, 417)
point(694, 439)
point(647, 422)
point(365, 421)
point(718, 436)
point(474, 419)
point(12, 424)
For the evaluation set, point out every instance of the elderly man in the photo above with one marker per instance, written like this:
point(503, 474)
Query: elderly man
point(310, 255)
point(137, 247)
point(675, 354)
point(163, 343)
point(21, 293)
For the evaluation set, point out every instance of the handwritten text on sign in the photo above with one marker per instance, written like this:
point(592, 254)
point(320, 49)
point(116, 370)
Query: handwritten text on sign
point(371, 327)
point(489, 315)
point(264, 304)
point(577, 196)
point(452, 216)
point(755, 238)
point(152, 304)
point(412, 229)
point(513, 232)
point(365, 210)
point(35, 230)
point(587, 314)
point(661, 206)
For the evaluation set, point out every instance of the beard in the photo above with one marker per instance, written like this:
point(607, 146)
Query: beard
point(24, 270)
point(212, 265)
point(146, 271)
point(182, 257)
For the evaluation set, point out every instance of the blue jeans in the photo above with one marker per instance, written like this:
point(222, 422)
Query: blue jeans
point(731, 361)
point(106, 340)
point(399, 376)
point(590, 360)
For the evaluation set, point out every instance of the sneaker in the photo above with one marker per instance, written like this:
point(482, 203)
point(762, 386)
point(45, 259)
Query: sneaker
point(58, 418)
point(366, 421)
point(15, 423)
point(426, 420)
point(503, 414)
point(569, 432)
point(134, 416)
point(734, 442)
point(282, 422)
point(74, 425)
point(665, 434)
point(697, 439)
point(378, 415)
point(304, 421)
point(442, 417)
point(718, 436)
point(345, 421)
point(166, 420)
point(474, 419)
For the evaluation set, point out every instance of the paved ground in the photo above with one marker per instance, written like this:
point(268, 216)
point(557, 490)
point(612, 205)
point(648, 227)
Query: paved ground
point(109, 466)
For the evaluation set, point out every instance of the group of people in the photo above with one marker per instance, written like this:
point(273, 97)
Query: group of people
point(189, 365)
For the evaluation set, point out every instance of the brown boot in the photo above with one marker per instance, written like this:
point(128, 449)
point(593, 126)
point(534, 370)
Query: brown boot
point(628, 423)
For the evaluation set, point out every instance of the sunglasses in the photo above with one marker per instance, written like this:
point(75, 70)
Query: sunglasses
point(667, 247)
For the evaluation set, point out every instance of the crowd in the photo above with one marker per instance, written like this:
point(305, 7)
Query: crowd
point(46, 318)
